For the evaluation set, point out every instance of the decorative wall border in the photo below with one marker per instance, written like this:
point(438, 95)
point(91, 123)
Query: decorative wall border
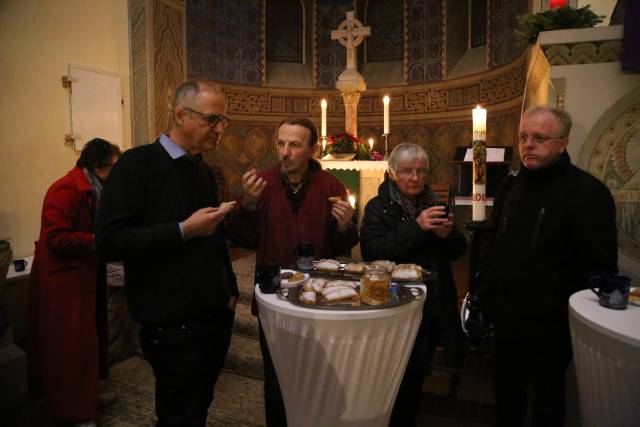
point(594, 52)
point(501, 88)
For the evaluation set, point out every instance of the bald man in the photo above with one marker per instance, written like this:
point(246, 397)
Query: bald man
point(160, 214)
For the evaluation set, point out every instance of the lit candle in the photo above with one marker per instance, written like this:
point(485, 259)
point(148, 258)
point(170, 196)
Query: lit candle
point(479, 175)
point(385, 101)
point(323, 128)
point(370, 144)
point(556, 4)
point(352, 200)
point(479, 124)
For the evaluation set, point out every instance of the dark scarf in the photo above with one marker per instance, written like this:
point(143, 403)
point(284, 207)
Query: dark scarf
point(412, 207)
point(297, 190)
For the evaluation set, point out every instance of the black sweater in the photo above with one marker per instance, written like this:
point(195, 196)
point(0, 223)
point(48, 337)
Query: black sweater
point(168, 280)
point(555, 228)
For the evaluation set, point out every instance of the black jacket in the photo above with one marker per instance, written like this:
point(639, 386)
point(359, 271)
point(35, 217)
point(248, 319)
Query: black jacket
point(168, 280)
point(389, 232)
point(554, 228)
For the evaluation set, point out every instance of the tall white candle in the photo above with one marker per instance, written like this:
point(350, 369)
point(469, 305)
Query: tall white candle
point(479, 174)
point(479, 124)
point(385, 101)
point(323, 128)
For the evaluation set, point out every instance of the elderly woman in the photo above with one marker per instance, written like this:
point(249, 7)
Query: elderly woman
point(404, 224)
point(67, 305)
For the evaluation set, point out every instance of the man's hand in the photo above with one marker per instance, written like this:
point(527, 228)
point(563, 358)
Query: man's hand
point(252, 187)
point(432, 219)
point(204, 222)
point(342, 212)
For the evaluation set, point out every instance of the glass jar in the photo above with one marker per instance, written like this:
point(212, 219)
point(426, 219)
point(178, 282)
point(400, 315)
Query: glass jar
point(305, 259)
point(375, 286)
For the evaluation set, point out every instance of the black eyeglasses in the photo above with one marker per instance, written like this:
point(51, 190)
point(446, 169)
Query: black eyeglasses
point(537, 138)
point(211, 119)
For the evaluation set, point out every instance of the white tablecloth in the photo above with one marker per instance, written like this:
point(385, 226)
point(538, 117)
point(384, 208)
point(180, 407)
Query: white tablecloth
point(338, 368)
point(606, 348)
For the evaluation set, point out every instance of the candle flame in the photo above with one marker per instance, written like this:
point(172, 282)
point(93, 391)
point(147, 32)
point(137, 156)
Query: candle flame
point(386, 99)
point(323, 103)
point(371, 143)
point(352, 200)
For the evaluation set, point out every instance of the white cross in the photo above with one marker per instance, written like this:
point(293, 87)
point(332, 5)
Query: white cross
point(350, 33)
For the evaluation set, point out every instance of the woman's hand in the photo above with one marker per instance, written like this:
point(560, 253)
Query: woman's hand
point(434, 219)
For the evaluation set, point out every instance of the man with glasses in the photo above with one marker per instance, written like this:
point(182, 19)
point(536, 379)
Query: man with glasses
point(554, 227)
point(159, 214)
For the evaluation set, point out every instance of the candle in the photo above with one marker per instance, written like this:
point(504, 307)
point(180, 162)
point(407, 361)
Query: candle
point(352, 200)
point(324, 145)
point(370, 144)
point(323, 128)
point(556, 4)
point(479, 124)
point(385, 101)
point(479, 176)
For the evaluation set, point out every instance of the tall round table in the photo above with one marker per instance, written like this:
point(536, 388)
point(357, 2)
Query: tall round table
point(338, 368)
point(606, 349)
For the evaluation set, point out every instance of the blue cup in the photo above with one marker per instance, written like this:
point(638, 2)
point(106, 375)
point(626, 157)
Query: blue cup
point(613, 290)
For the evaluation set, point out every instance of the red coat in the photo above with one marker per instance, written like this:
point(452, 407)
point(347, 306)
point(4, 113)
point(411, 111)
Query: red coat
point(63, 354)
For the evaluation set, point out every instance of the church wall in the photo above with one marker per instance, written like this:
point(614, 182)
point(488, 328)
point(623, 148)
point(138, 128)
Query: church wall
point(38, 40)
point(503, 45)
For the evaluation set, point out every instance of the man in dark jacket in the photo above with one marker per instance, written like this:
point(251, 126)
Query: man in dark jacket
point(554, 228)
point(405, 224)
point(159, 214)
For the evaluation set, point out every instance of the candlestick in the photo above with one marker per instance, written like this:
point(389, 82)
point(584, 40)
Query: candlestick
point(385, 102)
point(370, 144)
point(324, 145)
point(323, 127)
point(479, 179)
point(386, 146)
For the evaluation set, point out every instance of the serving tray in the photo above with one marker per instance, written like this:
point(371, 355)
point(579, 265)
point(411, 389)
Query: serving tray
point(400, 295)
point(427, 275)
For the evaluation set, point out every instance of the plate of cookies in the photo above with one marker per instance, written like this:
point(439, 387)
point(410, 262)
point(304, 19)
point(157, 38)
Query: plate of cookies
point(398, 272)
point(291, 278)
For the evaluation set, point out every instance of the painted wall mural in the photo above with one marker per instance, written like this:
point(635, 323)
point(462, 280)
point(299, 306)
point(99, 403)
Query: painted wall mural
point(615, 160)
point(424, 53)
point(503, 45)
point(225, 40)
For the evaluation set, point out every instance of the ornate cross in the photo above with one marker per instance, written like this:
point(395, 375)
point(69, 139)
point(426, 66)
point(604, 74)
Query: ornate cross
point(350, 34)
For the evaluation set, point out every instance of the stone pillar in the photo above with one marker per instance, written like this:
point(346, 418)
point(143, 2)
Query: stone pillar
point(351, 99)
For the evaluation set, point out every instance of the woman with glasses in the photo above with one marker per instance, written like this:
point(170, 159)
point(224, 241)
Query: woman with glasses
point(67, 305)
point(405, 224)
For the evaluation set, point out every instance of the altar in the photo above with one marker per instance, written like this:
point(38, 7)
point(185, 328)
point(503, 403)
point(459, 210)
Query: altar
point(361, 177)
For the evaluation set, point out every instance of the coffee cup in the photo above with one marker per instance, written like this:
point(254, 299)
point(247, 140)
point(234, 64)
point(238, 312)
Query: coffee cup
point(19, 264)
point(268, 278)
point(613, 290)
point(304, 251)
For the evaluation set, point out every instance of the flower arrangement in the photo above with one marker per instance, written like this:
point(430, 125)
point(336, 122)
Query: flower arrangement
point(345, 143)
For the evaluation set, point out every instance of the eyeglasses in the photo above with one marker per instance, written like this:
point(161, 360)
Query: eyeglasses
point(408, 173)
point(537, 138)
point(211, 119)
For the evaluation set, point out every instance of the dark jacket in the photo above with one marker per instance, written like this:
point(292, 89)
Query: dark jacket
point(554, 228)
point(389, 232)
point(168, 280)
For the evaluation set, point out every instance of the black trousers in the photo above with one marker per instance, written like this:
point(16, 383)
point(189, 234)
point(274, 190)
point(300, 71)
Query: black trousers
point(406, 406)
point(186, 360)
point(541, 363)
point(273, 403)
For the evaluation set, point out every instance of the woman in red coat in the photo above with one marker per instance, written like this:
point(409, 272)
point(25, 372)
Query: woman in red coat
point(63, 354)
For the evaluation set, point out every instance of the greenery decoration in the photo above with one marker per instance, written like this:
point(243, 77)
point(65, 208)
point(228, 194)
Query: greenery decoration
point(345, 143)
point(530, 25)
